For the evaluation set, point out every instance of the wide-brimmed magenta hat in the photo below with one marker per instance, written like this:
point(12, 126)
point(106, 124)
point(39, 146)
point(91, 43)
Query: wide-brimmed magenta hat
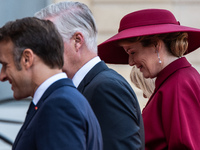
point(142, 23)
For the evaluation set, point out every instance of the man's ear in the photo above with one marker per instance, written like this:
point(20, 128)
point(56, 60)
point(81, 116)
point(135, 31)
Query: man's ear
point(27, 58)
point(78, 39)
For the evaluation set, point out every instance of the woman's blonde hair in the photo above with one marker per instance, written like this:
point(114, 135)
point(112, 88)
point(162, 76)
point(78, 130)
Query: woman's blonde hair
point(146, 85)
point(176, 42)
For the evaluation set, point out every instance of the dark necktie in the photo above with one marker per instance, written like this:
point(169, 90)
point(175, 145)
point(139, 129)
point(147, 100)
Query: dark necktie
point(30, 110)
point(29, 114)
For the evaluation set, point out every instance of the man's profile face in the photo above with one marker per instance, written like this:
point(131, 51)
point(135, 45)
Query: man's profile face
point(9, 71)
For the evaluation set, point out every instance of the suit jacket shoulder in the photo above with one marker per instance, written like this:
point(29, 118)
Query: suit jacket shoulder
point(116, 107)
point(64, 120)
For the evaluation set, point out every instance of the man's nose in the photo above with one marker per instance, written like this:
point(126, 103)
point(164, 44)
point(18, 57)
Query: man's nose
point(3, 76)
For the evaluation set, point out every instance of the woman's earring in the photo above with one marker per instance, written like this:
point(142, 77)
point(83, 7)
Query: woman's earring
point(158, 57)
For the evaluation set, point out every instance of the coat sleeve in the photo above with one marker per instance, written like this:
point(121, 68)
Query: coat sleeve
point(180, 113)
point(60, 126)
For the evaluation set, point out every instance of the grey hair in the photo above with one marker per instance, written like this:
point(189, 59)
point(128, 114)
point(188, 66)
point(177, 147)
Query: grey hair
point(71, 17)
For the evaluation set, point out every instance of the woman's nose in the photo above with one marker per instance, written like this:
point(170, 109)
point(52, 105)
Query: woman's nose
point(131, 61)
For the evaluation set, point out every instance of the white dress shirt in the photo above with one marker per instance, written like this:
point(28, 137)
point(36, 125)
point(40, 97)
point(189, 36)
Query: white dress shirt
point(43, 87)
point(81, 73)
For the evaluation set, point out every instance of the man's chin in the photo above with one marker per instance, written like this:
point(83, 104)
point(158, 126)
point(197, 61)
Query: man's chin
point(17, 97)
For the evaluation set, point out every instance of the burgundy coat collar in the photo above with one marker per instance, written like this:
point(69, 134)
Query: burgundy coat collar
point(169, 70)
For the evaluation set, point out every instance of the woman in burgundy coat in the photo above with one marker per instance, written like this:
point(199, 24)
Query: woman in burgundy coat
point(156, 44)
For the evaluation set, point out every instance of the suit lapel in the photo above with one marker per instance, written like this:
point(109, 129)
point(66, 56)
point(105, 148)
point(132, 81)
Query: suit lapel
point(99, 67)
point(30, 113)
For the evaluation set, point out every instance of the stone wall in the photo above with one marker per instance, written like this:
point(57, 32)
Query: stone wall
point(108, 14)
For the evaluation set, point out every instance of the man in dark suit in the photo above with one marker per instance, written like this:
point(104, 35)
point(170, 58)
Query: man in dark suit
point(59, 117)
point(111, 97)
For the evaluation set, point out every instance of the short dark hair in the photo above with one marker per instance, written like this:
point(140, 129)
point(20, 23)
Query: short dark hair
point(41, 36)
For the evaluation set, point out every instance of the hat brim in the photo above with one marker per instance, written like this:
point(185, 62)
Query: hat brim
point(110, 52)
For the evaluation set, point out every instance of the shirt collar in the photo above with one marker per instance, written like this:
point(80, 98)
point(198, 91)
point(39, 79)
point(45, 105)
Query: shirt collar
point(43, 87)
point(81, 73)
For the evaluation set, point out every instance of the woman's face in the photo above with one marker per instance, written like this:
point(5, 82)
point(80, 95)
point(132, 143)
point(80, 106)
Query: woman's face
point(144, 58)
